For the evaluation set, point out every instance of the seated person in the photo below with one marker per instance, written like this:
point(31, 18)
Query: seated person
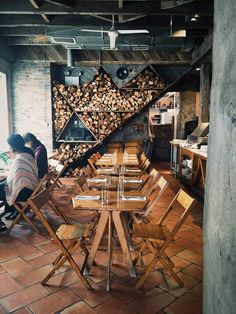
point(39, 151)
point(22, 177)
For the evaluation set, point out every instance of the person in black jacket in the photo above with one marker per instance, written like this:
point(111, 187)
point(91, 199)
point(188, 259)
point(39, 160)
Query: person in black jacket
point(39, 151)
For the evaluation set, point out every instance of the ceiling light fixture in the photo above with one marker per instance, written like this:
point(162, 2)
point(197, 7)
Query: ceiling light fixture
point(194, 18)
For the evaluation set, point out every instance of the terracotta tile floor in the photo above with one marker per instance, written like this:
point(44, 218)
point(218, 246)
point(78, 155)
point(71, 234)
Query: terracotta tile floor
point(25, 258)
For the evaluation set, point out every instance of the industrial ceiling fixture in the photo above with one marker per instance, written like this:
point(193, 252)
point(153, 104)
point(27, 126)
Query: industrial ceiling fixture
point(70, 59)
point(114, 33)
point(122, 73)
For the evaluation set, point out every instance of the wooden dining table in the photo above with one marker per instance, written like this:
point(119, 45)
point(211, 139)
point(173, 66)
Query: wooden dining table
point(111, 214)
point(111, 183)
point(115, 171)
point(118, 159)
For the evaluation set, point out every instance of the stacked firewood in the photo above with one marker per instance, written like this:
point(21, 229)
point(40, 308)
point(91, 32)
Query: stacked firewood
point(105, 96)
point(141, 98)
point(62, 111)
point(68, 153)
point(146, 79)
point(109, 121)
point(91, 120)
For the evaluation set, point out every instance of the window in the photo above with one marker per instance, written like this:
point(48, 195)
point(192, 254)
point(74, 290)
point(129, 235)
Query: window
point(4, 113)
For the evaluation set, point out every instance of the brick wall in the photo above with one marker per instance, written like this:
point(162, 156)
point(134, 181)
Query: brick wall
point(31, 100)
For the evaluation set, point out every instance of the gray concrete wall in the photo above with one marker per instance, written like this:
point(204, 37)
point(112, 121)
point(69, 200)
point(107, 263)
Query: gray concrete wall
point(220, 199)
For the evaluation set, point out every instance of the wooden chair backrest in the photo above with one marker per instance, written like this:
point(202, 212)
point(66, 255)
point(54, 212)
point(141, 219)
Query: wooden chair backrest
point(87, 172)
point(115, 145)
point(147, 184)
point(154, 175)
point(37, 203)
point(98, 155)
point(81, 183)
point(132, 150)
point(188, 203)
point(59, 170)
point(52, 163)
point(133, 143)
point(182, 199)
point(157, 191)
point(146, 164)
point(92, 164)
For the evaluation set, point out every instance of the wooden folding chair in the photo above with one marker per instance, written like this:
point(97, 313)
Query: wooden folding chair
point(157, 190)
point(156, 238)
point(23, 207)
point(56, 175)
point(146, 188)
point(73, 234)
point(87, 171)
point(92, 164)
point(145, 165)
point(81, 183)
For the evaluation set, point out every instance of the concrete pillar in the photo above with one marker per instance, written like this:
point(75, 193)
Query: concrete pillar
point(204, 92)
point(187, 111)
point(220, 199)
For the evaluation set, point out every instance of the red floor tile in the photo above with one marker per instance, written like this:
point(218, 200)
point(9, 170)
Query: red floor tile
point(194, 270)
point(34, 276)
point(23, 310)
point(152, 302)
point(192, 257)
point(16, 267)
point(79, 308)
point(197, 290)
point(23, 297)
point(115, 306)
point(7, 285)
point(185, 305)
point(54, 303)
point(92, 297)
point(44, 259)
point(6, 253)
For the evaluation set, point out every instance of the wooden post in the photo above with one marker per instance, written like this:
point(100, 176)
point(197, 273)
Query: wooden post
point(205, 93)
point(220, 200)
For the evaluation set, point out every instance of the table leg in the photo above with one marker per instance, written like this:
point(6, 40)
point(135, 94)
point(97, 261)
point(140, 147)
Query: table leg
point(96, 241)
point(124, 220)
point(123, 241)
point(109, 264)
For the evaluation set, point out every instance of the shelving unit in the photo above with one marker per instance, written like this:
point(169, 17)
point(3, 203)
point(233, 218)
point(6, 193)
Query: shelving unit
point(100, 106)
point(193, 168)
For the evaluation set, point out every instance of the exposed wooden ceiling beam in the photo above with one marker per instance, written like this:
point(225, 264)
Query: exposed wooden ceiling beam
point(61, 3)
point(88, 21)
point(106, 8)
point(36, 4)
point(106, 57)
point(203, 52)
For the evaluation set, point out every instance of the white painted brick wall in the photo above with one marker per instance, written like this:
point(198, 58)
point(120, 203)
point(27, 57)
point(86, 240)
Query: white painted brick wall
point(31, 100)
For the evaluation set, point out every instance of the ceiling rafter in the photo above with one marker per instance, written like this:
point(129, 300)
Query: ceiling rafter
point(36, 4)
point(60, 3)
point(105, 8)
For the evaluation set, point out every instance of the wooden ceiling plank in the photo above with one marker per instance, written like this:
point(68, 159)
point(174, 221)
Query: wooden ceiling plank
point(52, 7)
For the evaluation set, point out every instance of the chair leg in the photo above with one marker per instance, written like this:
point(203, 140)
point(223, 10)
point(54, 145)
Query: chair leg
point(62, 260)
point(21, 213)
point(147, 271)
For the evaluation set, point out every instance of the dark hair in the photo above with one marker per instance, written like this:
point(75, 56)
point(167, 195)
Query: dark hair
point(17, 144)
point(29, 137)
